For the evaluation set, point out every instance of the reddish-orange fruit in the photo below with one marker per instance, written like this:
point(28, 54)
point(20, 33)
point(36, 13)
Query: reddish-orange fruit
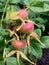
point(23, 13)
point(18, 44)
point(27, 27)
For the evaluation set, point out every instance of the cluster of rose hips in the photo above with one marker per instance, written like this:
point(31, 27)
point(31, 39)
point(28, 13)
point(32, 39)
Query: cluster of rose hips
point(22, 31)
point(26, 27)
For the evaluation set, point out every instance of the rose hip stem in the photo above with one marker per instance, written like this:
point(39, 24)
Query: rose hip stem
point(23, 22)
point(13, 32)
point(32, 22)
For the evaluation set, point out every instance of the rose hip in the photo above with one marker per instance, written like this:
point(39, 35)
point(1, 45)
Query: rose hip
point(23, 13)
point(27, 27)
point(18, 44)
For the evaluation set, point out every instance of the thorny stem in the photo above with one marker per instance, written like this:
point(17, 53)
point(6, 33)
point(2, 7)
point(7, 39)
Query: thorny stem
point(4, 11)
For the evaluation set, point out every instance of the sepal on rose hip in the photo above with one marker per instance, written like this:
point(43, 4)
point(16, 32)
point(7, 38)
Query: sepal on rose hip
point(35, 36)
point(19, 53)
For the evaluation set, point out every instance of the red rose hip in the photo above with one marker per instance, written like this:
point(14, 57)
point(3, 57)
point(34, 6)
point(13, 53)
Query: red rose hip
point(23, 13)
point(18, 44)
point(27, 27)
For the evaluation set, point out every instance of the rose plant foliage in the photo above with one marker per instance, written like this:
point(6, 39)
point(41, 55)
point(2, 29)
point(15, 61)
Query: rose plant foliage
point(22, 24)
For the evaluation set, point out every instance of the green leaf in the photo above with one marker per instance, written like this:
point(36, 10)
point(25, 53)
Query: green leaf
point(15, 1)
point(38, 31)
point(36, 51)
point(38, 9)
point(3, 1)
point(21, 63)
point(35, 43)
point(37, 2)
point(2, 4)
point(33, 2)
point(2, 46)
point(1, 57)
point(11, 61)
point(28, 2)
point(2, 34)
point(42, 26)
point(36, 48)
point(1, 63)
point(41, 20)
point(45, 40)
point(2, 37)
point(46, 6)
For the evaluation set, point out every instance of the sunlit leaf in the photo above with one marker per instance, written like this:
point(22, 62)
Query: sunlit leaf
point(45, 40)
point(38, 9)
point(38, 31)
